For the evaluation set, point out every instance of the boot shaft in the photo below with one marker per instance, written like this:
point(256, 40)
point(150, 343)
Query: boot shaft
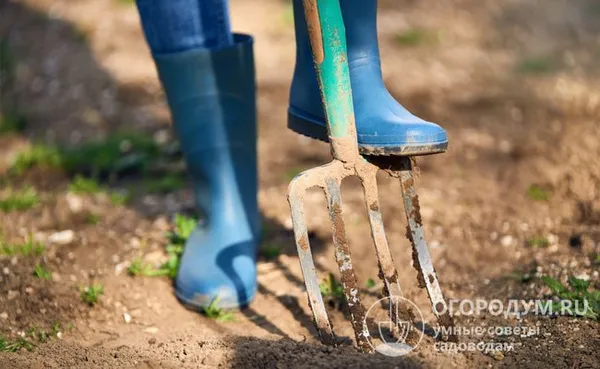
point(360, 20)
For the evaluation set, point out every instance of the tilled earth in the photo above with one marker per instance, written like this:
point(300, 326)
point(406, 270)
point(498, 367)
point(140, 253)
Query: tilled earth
point(516, 197)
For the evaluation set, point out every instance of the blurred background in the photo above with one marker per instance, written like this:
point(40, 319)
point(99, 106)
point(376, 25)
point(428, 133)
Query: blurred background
point(92, 180)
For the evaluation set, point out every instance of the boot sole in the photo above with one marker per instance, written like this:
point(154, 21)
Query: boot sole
point(316, 131)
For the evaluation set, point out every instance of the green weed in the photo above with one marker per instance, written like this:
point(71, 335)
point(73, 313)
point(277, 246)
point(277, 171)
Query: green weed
point(540, 242)
point(165, 184)
point(270, 252)
point(37, 156)
point(537, 193)
point(212, 311)
point(578, 292)
point(183, 228)
point(91, 293)
point(92, 219)
point(41, 272)
point(116, 154)
point(370, 283)
point(118, 198)
point(138, 267)
point(18, 200)
point(82, 185)
point(15, 345)
point(332, 289)
point(27, 248)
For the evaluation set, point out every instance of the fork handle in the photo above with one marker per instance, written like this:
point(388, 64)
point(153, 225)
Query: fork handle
point(328, 44)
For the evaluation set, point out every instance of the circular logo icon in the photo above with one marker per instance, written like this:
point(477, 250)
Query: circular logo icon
point(393, 318)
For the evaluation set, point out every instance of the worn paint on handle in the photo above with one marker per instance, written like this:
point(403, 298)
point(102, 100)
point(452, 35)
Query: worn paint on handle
point(328, 43)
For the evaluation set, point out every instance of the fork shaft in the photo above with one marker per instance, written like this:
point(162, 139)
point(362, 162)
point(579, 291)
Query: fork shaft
point(328, 44)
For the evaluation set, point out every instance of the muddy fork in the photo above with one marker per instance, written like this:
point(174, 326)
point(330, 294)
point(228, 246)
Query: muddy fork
point(328, 44)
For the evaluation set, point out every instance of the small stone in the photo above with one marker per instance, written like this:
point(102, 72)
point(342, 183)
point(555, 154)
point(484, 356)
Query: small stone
point(5, 271)
point(12, 294)
point(152, 340)
point(507, 241)
point(127, 318)
point(75, 202)
point(151, 330)
point(584, 276)
point(29, 290)
point(62, 238)
point(4, 316)
point(59, 335)
point(497, 355)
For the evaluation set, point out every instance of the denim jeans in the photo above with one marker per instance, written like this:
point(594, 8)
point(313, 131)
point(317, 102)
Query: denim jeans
point(173, 26)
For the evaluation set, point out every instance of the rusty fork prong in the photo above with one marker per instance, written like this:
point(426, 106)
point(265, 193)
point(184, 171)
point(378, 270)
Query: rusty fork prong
point(427, 276)
point(344, 261)
point(387, 271)
point(297, 188)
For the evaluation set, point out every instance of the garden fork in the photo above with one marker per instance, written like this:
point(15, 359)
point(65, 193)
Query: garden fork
point(328, 44)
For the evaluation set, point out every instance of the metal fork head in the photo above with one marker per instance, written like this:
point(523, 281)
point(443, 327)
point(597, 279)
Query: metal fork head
point(329, 178)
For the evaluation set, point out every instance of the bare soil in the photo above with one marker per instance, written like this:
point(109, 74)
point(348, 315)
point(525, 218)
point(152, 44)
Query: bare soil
point(515, 83)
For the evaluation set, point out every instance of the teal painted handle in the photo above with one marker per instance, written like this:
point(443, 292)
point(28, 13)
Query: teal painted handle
point(328, 43)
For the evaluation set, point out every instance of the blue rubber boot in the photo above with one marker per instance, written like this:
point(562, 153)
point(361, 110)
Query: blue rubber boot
point(384, 126)
point(211, 94)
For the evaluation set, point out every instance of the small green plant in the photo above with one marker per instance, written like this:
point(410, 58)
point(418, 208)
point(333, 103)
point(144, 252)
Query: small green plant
point(91, 293)
point(578, 292)
point(183, 228)
point(522, 277)
point(535, 65)
point(27, 248)
point(15, 345)
point(121, 152)
point(597, 261)
point(213, 311)
point(164, 184)
point(331, 288)
point(92, 219)
point(41, 272)
point(539, 242)
point(18, 200)
point(37, 156)
point(82, 185)
point(370, 283)
point(119, 198)
point(415, 37)
point(139, 268)
point(537, 193)
point(270, 252)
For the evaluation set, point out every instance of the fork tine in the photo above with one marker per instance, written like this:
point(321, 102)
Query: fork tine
point(315, 299)
point(388, 272)
point(422, 260)
point(344, 261)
